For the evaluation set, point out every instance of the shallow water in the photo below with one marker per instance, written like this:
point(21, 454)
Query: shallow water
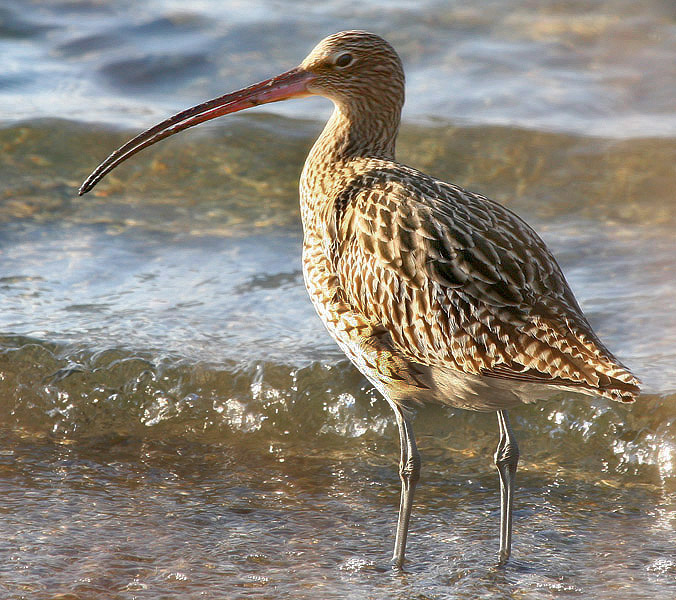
point(176, 422)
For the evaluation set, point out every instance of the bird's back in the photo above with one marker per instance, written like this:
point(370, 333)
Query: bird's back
point(451, 285)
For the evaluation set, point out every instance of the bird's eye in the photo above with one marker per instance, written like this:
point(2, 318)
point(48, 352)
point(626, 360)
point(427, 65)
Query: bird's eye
point(344, 59)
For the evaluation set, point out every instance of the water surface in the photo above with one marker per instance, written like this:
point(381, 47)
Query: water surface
point(175, 421)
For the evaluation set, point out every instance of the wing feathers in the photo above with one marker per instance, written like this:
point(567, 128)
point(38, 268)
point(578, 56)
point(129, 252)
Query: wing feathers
point(461, 282)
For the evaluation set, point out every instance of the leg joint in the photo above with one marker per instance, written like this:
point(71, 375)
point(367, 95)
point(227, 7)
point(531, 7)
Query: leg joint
point(410, 470)
point(507, 456)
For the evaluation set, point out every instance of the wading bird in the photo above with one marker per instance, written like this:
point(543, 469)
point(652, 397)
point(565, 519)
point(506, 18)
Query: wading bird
point(435, 293)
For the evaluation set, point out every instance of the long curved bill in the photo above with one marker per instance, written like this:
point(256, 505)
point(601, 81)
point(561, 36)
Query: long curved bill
point(292, 84)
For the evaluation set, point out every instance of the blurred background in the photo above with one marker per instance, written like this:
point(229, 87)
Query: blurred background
point(175, 421)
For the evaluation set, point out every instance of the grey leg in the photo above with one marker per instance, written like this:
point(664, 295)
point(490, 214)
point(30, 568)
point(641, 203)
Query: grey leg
point(506, 459)
point(409, 472)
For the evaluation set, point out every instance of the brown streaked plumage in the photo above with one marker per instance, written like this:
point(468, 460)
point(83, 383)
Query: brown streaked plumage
point(435, 293)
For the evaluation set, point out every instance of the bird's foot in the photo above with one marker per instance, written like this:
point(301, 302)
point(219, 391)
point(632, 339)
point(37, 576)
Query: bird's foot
point(503, 557)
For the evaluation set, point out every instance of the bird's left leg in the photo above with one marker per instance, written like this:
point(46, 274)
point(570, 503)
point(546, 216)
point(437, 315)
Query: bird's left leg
point(506, 460)
point(409, 472)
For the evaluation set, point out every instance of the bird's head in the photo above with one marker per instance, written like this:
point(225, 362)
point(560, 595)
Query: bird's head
point(358, 70)
point(355, 67)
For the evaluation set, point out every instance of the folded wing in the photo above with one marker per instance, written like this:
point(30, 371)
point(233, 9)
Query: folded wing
point(461, 282)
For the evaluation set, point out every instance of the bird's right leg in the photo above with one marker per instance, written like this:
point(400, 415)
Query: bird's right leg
point(506, 460)
point(409, 472)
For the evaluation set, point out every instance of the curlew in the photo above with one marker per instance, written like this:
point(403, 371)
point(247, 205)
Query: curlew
point(435, 293)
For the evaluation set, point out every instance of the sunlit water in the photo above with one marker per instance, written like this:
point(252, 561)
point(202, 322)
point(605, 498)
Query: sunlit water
point(175, 421)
